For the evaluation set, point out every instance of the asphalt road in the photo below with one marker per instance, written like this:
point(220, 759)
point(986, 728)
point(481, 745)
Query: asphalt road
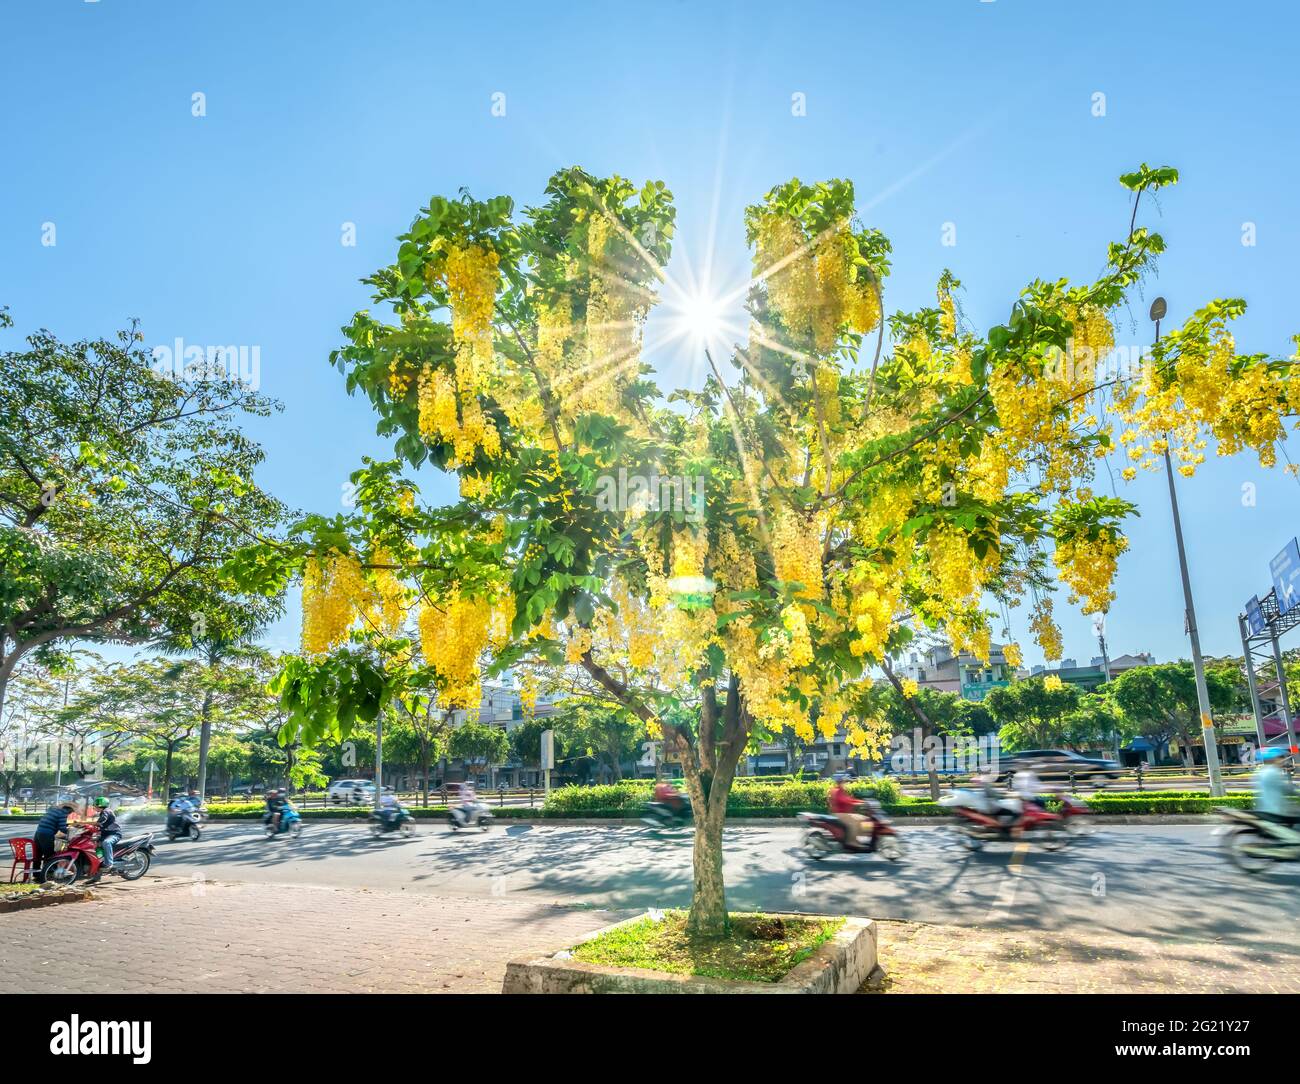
point(1168, 880)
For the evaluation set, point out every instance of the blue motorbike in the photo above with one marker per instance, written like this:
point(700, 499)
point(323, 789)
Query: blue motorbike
point(290, 823)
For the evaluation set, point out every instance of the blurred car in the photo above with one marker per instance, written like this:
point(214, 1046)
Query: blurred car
point(354, 791)
point(1058, 764)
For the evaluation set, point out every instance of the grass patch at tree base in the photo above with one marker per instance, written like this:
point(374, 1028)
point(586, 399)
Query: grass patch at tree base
point(16, 889)
point(758, 948)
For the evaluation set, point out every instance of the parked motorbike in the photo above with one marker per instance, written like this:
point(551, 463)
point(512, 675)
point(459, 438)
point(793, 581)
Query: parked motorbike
point(290, 823)
point(185, 825)
point(1253, 840)
point(398, 820)
point(474, 816)
point(985, 818)
point(664, 815)
point(825, 833)
point(82, 858)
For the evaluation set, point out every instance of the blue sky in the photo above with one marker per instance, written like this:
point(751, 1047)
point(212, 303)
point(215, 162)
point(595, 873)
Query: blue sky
point(226, 228)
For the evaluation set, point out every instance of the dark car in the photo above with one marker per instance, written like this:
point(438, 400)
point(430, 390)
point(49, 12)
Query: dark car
point(1058, 764)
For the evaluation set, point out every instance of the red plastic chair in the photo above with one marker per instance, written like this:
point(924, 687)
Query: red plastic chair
point(24, 855)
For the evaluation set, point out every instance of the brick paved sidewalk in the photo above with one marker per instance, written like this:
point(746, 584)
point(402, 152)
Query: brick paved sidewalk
point(173, 935)
point(921, 958)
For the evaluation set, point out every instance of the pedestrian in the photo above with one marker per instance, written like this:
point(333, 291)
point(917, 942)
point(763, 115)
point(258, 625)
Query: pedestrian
point(53, 823)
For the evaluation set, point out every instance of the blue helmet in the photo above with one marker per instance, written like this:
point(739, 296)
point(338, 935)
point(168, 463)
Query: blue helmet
point(1272, 753)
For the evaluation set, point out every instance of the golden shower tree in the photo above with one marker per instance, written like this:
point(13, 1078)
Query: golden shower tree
point(834, 485)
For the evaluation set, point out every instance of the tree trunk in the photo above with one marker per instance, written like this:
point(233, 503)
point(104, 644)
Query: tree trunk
point(205, 739)
point(167, 774)
point(708, 915)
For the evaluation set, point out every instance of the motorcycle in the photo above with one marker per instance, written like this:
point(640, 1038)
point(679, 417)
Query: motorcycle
point(1076, 817)
point(185, 824)
point(1252, 840)
point(985, 819)
point(474, 816)
point(665, 815)
point(83, 858)
point(825, 833)
point(290, 822)
point(398, 820)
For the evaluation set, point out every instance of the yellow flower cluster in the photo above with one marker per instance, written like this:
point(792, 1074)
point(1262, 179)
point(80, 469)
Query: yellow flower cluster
point(1052, 682)
point(811, 282)
point(334, 590)
point(467, 431)
point(473, 275)
point(388, 608)
point(947, 315)
point(1045, 630)
point(1011, 655)
point(1088, 566)
point(454, 632)
point(874, 591)
point(528, 694)
point(910, 687)
point(400, 375)
point(797, 551)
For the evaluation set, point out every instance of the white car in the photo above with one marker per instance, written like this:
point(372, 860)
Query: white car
point(354, 791)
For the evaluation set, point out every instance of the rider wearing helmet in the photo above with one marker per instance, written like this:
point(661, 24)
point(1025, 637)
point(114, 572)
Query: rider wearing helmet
point(274, 808)
point(1274, 792)
point(843, 805)
point(110, 832)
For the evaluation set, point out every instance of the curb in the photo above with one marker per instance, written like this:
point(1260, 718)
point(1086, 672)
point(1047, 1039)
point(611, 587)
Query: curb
point(31, 901)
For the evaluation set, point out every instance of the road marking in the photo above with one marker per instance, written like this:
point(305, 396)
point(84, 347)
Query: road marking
point(1007, 893)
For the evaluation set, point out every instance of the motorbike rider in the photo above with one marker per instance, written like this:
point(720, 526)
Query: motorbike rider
point(275, 803)
point(1026, 785)
point(666, 793)
point(53, 823)
point(176, 810)
point(110, 832)
point(843, 805)
point(1274, 793)
point(468, 805)
point(389, 809)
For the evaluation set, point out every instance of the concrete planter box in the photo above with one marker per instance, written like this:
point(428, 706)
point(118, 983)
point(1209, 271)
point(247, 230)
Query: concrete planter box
point(840, 966)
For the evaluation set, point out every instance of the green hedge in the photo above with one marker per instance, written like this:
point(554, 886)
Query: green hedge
point(747, 798)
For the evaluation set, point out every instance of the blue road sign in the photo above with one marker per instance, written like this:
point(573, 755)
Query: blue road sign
point(1285, 570)
point(1255, 622)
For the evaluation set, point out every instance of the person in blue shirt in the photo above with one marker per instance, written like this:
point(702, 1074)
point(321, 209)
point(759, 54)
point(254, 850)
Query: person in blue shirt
point(53, 823)
point(1274, 792)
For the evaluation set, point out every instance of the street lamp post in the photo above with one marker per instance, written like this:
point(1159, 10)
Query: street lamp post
point(1158, 310)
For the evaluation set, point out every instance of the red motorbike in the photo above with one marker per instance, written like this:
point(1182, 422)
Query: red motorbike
point(83, 859)
point(985, 819)
point(1076, 817)
point(824, 833)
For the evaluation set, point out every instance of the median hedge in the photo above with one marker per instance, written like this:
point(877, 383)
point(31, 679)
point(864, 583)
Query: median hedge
point(747, 798)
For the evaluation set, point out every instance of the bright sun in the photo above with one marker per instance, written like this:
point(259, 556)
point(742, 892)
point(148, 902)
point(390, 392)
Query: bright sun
point(702, 317)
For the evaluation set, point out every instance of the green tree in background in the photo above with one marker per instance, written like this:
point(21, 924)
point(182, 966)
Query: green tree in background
point(122, 492)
